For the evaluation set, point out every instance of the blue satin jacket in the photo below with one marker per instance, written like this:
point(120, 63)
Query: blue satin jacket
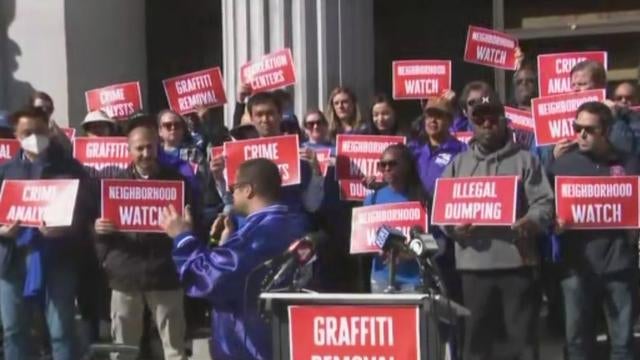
point(224, 276)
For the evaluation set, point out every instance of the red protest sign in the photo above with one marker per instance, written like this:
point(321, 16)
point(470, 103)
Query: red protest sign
point(597, 202)
point(553, 116)
point(520, 119)
point(217, 151)
point(475, 200)
point(357, 156)
point(187, 92)
point(366, 220)
point(463, 136)
point(324, 160)
point(490, 48)
point(119, 101)
point(70, 133)
point(8, 149)
point(554, 70)
point(108, 155)
point(33, 202)
point(332, 332)
point(420, 79)
point(136, 205)
point(635, 108)
point(282, 150)
point(271, 71)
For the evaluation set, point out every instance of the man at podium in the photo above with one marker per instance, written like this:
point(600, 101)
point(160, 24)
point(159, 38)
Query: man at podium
point(226, 275)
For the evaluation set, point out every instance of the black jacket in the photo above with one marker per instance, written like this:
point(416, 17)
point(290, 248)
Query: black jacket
point(597, 251)
point(141, 261)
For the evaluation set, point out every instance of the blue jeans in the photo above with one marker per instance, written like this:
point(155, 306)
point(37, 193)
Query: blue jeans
point(59, 312)
point(583, 294)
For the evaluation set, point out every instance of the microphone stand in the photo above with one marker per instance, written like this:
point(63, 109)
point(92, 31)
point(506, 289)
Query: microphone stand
point(391, 288)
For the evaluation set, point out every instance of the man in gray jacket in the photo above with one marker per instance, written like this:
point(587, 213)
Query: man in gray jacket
point(498, 265)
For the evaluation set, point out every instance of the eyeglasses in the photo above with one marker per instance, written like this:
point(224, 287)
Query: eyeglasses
point(628, 98)
point(383, 164)
point(312, 124)
point(588, 129)
point(171, 125)
point(236, 186)
point(480, 120)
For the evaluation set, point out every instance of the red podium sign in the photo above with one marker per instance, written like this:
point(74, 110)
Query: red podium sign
point(354, 332)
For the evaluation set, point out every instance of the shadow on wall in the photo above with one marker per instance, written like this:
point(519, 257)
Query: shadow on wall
point(14, 93)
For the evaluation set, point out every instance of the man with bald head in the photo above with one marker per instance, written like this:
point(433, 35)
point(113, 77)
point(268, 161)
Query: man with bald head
point(139, 265)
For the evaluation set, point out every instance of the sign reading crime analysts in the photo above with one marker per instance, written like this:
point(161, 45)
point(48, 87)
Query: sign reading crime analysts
point(282, 150)
point(487, 201)
point(329, 332)
point(119, 101)
point(490, 48)
point(420, 79)
point(204, 88)
point(597, 202)
point(271, 71)
point(136, 205)
point(33, 202)
point(103, 156)
point(366, 220)
point(554, 70)
point(357, 157)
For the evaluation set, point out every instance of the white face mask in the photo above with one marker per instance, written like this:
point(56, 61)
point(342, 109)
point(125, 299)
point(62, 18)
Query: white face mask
point(35, 144)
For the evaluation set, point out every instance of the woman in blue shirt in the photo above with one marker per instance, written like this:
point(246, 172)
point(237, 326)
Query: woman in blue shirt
point(403, 184)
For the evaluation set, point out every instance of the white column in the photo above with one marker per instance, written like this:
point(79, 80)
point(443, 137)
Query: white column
point(331, 41)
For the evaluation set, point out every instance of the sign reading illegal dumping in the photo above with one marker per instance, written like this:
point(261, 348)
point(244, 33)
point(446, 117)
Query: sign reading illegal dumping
point(475, 200)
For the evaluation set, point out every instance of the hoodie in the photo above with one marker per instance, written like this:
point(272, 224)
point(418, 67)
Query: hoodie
point(493, 247)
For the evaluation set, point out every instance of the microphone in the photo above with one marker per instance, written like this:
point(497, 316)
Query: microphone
point(388, 238)
point(421, 243)
point(299, 253)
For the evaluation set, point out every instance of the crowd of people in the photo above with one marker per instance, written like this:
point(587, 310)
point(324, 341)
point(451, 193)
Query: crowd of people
point(202, 265)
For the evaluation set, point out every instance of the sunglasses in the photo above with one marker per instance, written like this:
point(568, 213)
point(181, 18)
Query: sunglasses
point(383, 164)
point(312, 124)
point(171, 125)
point(588, 129)
point(623, 97)
point(480, 120)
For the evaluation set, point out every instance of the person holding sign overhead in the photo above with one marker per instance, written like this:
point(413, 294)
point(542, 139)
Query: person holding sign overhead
point(600, 265)
point(225, 275)
point(498, 264)
point(139, 266)
point(41, 265)
point(266, 116)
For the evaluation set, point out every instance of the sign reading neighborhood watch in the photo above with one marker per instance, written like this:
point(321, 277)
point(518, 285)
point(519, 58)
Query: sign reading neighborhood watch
point(136, 205)
point(420, 79)
point(490, 48)
point(185, 93)
point(272, 71)
point(597, 202)
point(32, 202)
point(357, 157)
point(319, 332)
point(475, 200)
point(553, 116)
point(119, 101)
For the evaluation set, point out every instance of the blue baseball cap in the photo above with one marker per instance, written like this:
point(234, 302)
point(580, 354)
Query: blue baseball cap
point(4, 120)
